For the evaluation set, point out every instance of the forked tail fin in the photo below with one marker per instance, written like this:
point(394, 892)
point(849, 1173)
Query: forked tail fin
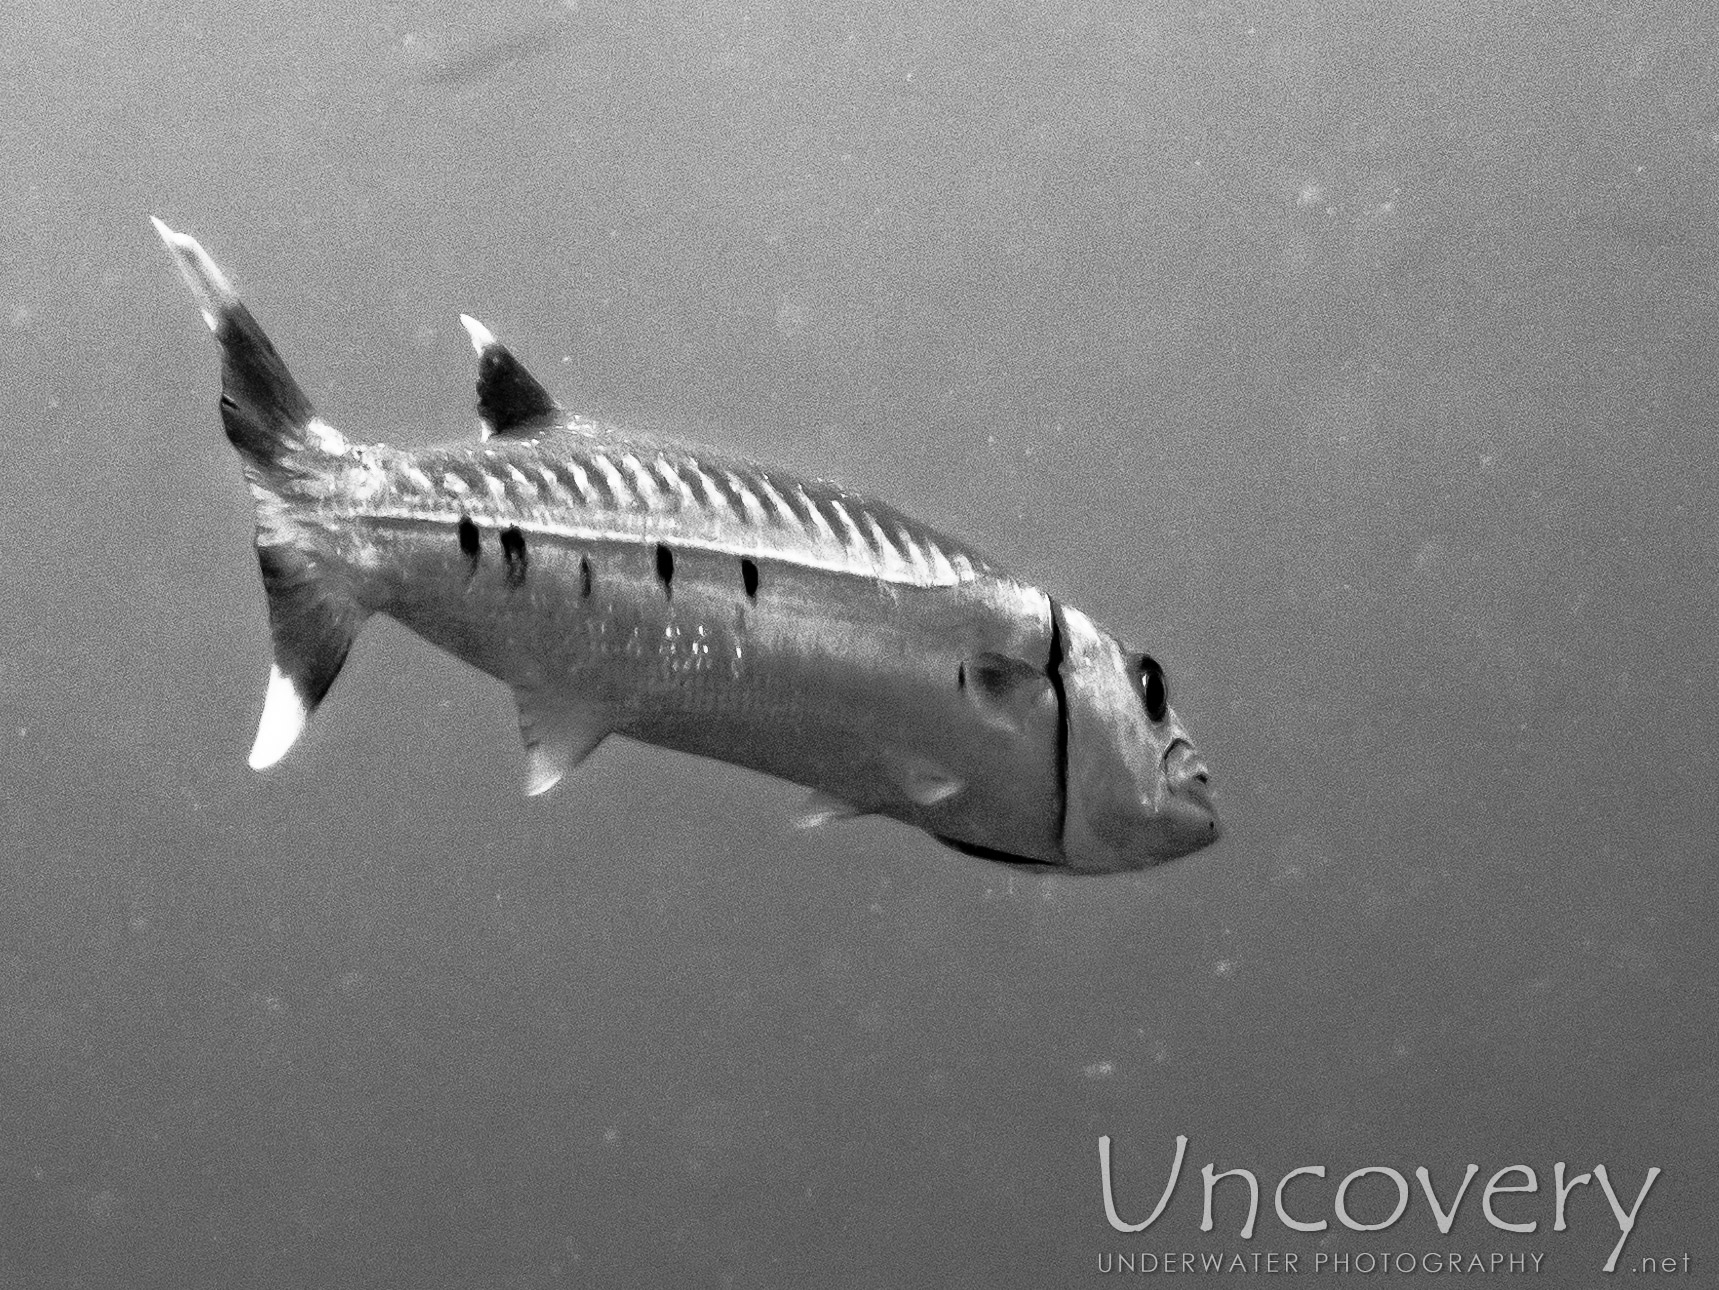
point(312, 615)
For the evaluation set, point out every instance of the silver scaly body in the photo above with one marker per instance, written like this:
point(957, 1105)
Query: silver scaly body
point(623, 584)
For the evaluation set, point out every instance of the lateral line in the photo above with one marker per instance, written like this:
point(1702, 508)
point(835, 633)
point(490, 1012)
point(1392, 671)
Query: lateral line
point(646, 534)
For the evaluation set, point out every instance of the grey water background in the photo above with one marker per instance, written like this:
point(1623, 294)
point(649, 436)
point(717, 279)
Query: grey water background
point(1357, 359)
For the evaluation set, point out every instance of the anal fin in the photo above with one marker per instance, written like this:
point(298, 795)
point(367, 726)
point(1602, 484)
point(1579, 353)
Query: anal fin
point(557, 738)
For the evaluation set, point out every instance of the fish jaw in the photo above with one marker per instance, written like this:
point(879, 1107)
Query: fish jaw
point(1138, 791)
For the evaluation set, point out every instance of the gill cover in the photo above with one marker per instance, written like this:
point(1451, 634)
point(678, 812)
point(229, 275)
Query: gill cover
point(1137, 788)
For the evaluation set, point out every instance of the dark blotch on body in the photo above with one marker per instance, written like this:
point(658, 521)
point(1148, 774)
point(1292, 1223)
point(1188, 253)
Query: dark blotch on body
point(513, 551)
point(584, 578)
point(471, 543)
point(665, 568)
point(749, 578)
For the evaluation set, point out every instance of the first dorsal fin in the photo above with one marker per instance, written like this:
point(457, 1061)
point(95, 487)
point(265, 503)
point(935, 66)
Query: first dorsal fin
point(510, 400)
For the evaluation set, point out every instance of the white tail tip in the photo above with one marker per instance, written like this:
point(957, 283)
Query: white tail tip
point(208, 284)
point(284, 715)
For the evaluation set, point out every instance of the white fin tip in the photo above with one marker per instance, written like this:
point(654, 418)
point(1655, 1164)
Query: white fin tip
point(284, 715)
point(544, 768)
point(208, 284)
point(482, 338)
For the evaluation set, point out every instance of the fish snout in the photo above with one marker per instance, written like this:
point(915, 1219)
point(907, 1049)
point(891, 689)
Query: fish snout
point(1190, 780)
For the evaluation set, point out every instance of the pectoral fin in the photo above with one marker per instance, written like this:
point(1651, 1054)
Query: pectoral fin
point(557, 738)
point(925, 782)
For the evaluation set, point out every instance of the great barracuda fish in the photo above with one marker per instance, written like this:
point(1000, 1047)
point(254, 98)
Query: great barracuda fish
point(627, 584)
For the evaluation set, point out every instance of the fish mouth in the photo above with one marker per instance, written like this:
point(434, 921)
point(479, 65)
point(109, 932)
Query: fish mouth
point(1190, 786)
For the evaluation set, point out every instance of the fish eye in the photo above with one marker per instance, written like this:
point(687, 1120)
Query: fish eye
point(1153, 689)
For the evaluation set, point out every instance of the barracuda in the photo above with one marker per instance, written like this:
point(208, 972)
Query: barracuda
point(625, 584)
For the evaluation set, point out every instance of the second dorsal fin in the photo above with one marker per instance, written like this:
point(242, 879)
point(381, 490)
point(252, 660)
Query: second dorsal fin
point(510, 400)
